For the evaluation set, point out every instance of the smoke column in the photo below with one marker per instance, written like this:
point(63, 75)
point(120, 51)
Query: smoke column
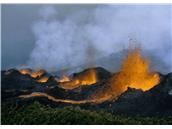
point(64, 43)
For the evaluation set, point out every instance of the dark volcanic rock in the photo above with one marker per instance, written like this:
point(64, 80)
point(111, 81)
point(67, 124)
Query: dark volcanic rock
point(51, 82)
point(13, 84)
point(79, 93)
point(130, 94)
point(86, 92)
point(101, 73)
point(156, 101)
point(125, 104)
point(13, 80)
point(159, 98)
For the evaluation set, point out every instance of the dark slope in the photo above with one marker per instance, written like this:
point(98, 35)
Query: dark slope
point(156, 101)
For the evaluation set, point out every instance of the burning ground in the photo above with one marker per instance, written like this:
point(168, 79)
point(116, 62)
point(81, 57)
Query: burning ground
point(134, 90)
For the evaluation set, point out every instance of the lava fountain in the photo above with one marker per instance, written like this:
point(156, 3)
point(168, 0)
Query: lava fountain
point(134, 73)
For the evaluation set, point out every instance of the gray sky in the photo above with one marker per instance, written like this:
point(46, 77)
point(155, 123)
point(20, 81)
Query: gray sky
point(17, 37)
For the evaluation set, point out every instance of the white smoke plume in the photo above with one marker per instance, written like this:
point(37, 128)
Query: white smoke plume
point(63, 43)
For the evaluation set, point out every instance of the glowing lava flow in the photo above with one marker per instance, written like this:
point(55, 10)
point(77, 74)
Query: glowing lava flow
point(87, 78)
point(43, 79)
point(40, 94)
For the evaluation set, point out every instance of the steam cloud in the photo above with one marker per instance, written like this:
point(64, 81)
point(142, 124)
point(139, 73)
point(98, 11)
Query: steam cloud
point(85, 35)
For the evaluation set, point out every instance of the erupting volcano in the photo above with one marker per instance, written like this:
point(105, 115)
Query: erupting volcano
point(93, 88)
point(86, 64)
point(134, 73)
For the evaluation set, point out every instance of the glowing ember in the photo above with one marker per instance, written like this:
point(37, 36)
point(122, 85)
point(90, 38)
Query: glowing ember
point(43, 79)
point(87, 78)
point(37, 73)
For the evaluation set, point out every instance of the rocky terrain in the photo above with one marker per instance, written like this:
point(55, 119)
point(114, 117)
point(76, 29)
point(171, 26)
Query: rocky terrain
point(154, 102)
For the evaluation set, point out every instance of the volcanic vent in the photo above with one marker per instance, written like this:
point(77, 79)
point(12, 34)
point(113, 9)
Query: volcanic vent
point(134, 73)
point(87, 78)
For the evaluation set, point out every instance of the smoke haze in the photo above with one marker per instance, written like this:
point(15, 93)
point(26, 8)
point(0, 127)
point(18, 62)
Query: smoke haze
point(62, 44)
point(67, 37)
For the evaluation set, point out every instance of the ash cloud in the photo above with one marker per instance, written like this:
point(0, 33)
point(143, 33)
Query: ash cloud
point(64, 43)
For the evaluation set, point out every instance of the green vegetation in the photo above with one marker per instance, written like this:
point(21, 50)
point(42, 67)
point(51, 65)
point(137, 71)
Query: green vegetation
point(40, 114)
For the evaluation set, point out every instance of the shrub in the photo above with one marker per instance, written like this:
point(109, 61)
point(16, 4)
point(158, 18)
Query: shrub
point(41, 115)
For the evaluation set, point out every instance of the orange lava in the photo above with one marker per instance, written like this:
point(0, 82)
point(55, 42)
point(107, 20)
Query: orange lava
point(37, 73)
point(43, 79)
point(134, 73)
point(25, 71)
point(87, 78)
point(40, 94)
point(34, 74)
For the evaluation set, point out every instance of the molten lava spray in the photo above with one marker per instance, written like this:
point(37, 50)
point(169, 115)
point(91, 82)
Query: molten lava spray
point(87, 78)
point(134, 73)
